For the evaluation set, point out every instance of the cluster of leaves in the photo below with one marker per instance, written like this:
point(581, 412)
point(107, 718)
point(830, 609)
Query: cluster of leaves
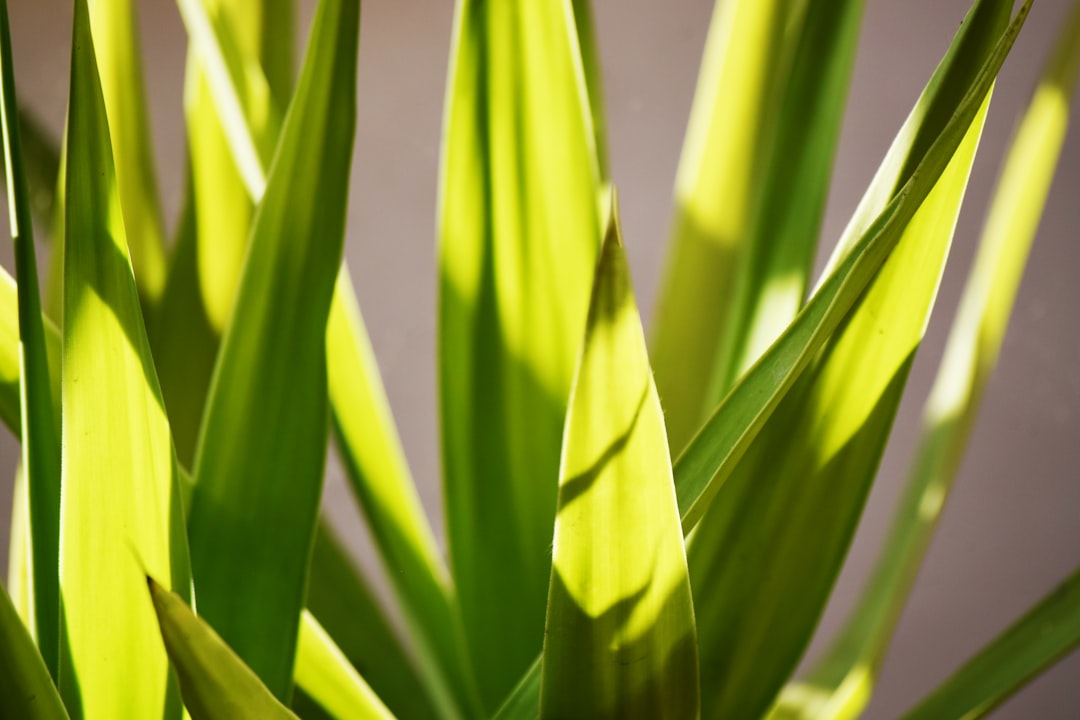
point(173, 405)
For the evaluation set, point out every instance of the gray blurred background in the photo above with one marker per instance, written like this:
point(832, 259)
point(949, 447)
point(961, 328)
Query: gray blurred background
point(1011, 530)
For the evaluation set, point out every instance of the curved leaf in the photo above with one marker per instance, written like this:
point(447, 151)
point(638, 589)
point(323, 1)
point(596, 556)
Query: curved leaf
point(26, 690)
point(329, 679)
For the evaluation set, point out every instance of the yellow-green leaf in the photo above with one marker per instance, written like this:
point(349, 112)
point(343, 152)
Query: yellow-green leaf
point(26, 690)
point(328, 678)
point(261, 450)
point(620, 639)
point(214, 683)
point(518, 238)
point(120, 509)
point(114, 27)
point(840, 684)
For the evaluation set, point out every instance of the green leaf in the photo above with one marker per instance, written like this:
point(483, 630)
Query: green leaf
point(703, 469)
point(765, 556)
point(379, 477)
point(1034, 642)
point(120, 508)
point(40, 425)
point(746, 55)
point(260, 456)
point(620, 639)
point(840, 684)
point(214, 682)
point(340, 600)
point(519, 232)
point(26, 690)
point(18, 579)
point(777, 250)
point(114, 27)
point(594, 80)
point(328, 678)
point(42, 167)
point(9, 356)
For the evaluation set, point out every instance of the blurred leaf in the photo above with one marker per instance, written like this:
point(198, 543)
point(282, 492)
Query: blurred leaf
point(214, 682)
point(765, 557)
point(42, 166)
point(120, 507)
point(519, 232)
point(379, 477)
point(1044, 635)
point(40, 425)
point(746, 56)
point(261, 451)
point(115, 30)
point(18, 579)
point(9, 356)
point(841, 682)
point(594, 79)
point(777, 251)
point(26, 690)
point(341, 602)
point(620, 638)
point(328, 678)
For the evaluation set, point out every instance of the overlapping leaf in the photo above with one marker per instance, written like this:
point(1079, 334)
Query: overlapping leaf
point(261, 451)
point(120, 509)
point(620, 638)
point(519, 233)
point(26, 689)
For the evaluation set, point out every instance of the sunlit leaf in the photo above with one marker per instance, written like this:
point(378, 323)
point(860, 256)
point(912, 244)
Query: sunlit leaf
point(120, 508)
point(214, 682)
point(620, 639)
point(261, 450)
point(328, 678)
point(840, 684)
point(519, 232)
point(114, 26)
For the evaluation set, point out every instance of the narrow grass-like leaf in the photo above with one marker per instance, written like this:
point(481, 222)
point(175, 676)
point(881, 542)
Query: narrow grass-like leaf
point(840, 684)
point(594, 80)
point(214, 683)
point(114, 27)
point(40, 426)
point(745, 57)
point(620, 638)
point(778, 249)
point(519, 233)
point(42, 166)
point(261, 452)
point(380, 479)
point(765, 557)
point(120, 510)
point(340, 600)
point(26, 689)
point(10, 374)
point(328, 678)
point(703, 469)
point(1045, 634)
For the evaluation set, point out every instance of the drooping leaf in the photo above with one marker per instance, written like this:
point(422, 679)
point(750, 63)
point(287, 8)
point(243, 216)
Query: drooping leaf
point(261, 451)
point(1045, 634)
point(120, 508)
point(328, 678)
point(26, 689)
point(519, 232)
point(340, 600)
point(214, 683)
point(40, 426)
point(765, 556)
point(114, 26)
point(841, 682)
point(746, 56)
point(620, 638)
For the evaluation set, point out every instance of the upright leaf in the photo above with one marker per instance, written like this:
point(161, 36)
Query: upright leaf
point(840, 684)
point(120, 509)
point(620, 638)
point(26, 690)
point(767, 553)
point(1045, 634)
point(519, 233)
point(115, 30)
point(40, 426)
point(261, 451)
point(746, 55)
point(328, 678)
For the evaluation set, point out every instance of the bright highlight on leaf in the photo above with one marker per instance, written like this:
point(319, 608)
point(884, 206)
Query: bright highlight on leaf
point(620, 639)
